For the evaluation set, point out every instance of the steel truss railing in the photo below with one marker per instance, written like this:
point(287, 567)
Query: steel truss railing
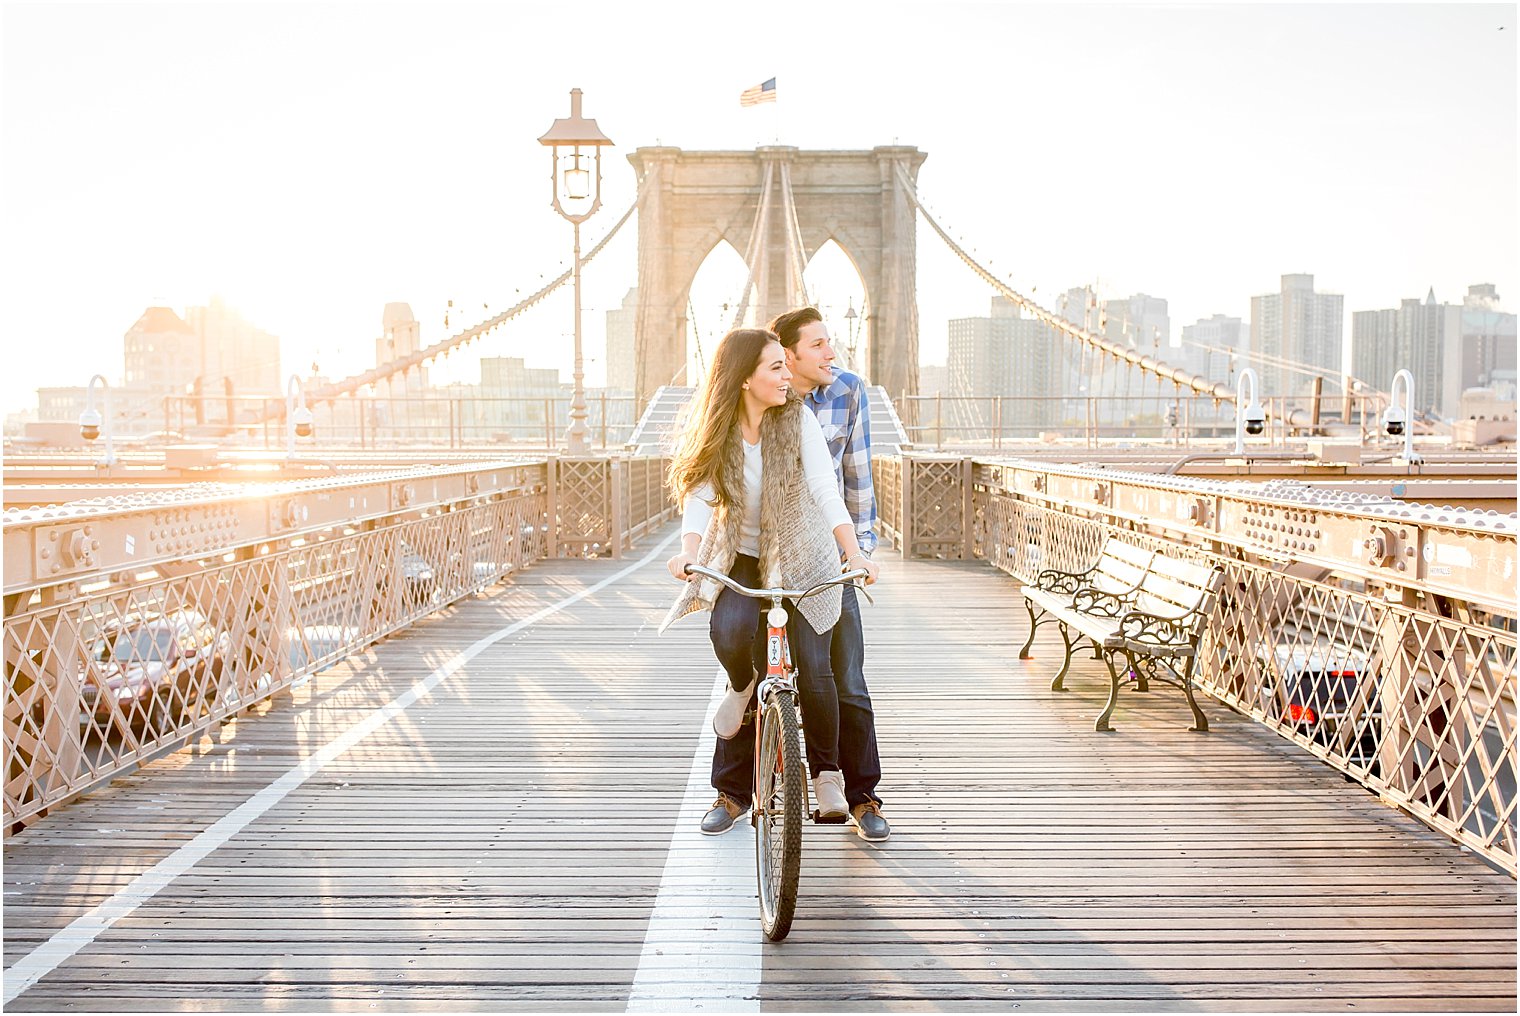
point(235, 595)
point(989, 421)
point(1379, 637)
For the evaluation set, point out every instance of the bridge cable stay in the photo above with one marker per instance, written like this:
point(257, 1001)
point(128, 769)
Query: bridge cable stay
point(796, 257)
point(385, 371)
point(691, 315)
point(755, 250)
point(1131, 356)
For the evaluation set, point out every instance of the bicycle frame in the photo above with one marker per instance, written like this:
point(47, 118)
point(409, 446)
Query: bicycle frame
point(777, 816)
point(780, 672)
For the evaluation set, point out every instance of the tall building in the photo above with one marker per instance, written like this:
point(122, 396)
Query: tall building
point(621, 374)
point(1079, 305)
point(232, 347)
point(1227, 337)
point(1300, 325)
point(519, 401)
point(1140, 322)
point(1008, 354)
point(1447, 348)
point(401, 335)
point(1376, 351)
point(1484, 356)
point(161, 353)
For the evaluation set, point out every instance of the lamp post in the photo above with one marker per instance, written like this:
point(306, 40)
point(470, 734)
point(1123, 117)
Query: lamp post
point(298, 419)
point(851, 318)
point(1398, 419)
point(1251, 417)
point(577, 194)
point(91, 422)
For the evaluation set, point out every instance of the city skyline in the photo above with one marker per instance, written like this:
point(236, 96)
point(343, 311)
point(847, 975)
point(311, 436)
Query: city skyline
point(362, 174)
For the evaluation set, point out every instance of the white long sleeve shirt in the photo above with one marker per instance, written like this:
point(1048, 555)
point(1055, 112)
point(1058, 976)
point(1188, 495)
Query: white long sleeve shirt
point(817, 469)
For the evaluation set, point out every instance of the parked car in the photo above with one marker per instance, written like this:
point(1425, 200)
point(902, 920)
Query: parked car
point(1330, 695)
point(316, 642)
point(155, 665)
point(419, 583)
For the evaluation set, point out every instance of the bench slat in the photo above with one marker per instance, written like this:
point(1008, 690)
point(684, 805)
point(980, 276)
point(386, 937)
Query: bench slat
point(1188, 573)
point(1128, 553)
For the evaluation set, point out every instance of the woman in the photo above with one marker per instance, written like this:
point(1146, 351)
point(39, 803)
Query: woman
point(761, 505)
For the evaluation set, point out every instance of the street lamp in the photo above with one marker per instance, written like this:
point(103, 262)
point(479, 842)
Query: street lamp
point(91, 422)
point(850, 318)
point(1252, 417)
point(577, 192)
point(298, 419)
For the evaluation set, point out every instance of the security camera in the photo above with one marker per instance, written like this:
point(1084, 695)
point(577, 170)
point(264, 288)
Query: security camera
point(89, 424)
point(1394, 420)
point(302, 421)
point(1256, 419)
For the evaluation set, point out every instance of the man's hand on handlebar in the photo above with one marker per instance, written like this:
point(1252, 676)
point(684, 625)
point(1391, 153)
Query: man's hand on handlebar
point(677, 566)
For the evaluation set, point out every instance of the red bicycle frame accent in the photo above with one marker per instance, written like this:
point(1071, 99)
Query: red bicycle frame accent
point(778, 667)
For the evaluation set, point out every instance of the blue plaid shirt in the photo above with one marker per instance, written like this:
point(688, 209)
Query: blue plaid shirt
point(845, 418)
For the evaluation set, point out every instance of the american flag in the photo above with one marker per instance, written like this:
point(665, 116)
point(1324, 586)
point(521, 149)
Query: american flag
point(763, 92)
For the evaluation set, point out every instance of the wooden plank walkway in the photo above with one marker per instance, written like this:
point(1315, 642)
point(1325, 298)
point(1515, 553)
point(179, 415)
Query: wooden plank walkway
point(505, 841)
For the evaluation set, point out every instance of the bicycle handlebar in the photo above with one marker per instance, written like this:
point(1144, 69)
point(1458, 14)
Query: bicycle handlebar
point(767, 594)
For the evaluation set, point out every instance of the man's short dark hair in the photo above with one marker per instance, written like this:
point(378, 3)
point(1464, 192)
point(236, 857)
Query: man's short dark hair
point(786, 326)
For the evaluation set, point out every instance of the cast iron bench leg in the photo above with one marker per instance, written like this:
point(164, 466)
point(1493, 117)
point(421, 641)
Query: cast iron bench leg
point(1056, 684)
point(1200, 722)
point(1113, 692)
point(1024, 653)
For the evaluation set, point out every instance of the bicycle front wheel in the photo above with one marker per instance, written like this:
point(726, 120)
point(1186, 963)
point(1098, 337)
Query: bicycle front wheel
point(780, 800)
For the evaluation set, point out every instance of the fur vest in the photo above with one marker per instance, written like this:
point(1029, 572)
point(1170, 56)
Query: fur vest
point(797, 548)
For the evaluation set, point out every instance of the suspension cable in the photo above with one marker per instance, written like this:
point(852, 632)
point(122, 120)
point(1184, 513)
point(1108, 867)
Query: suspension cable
point(795, 255)
point(691, 315)
point(1131, 356)
point(400, 365)
point(755, 249)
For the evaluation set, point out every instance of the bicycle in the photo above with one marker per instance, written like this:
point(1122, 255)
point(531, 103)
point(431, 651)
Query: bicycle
point(780, 790)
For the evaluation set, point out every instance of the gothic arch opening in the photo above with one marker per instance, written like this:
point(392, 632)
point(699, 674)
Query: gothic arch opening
point(836, 288)
point(767, 202)
point(712, 301)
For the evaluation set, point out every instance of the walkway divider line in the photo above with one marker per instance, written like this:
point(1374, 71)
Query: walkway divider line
point(84, 929)
point(702, 947)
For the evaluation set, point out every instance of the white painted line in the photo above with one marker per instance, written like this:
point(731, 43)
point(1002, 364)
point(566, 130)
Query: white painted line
point(702, 949)
point(41, 961)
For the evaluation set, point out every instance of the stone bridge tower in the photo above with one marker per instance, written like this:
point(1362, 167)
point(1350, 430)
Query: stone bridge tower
point(697, 199)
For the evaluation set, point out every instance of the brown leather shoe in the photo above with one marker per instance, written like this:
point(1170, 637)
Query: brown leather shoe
point(869, 825)
point(725, 812)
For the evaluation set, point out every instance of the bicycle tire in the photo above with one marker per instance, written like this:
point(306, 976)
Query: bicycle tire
point(780, 801)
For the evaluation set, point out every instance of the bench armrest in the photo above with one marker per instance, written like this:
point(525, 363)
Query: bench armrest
point(1053, 581)
point(1098, 602)
point(1154, 630)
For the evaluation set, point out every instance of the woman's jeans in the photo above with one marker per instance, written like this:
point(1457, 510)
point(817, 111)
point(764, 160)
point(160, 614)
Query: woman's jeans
point(836, 708)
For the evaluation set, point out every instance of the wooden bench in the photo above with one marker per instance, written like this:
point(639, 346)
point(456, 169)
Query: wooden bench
point(1142, 605)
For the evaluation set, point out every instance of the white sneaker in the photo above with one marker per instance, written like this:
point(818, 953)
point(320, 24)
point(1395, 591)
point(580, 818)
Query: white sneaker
point(729, 716)
point(828, 791)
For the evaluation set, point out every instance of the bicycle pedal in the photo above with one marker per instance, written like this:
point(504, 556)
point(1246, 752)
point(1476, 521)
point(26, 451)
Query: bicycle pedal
point(829, 820)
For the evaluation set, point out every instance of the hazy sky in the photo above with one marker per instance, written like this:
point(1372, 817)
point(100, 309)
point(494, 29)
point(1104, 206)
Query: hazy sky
point(312, 162)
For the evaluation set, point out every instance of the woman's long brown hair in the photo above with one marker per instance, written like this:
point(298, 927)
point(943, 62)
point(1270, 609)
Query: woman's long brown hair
point(700, 455)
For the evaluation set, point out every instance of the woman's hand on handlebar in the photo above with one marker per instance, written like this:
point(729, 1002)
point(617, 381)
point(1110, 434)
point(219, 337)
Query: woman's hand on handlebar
point(860, 562)
point(677, 566)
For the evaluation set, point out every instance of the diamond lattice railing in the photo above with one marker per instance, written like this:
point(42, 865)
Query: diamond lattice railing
point(1414, 701)
point(111, 678)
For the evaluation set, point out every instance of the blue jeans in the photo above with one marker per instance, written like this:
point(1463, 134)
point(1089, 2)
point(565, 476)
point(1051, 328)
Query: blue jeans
point(836, 709)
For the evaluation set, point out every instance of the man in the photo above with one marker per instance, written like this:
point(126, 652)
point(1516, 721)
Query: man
point(838, 398)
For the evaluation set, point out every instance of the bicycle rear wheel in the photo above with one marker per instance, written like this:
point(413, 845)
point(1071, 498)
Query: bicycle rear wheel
point(780, 800)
